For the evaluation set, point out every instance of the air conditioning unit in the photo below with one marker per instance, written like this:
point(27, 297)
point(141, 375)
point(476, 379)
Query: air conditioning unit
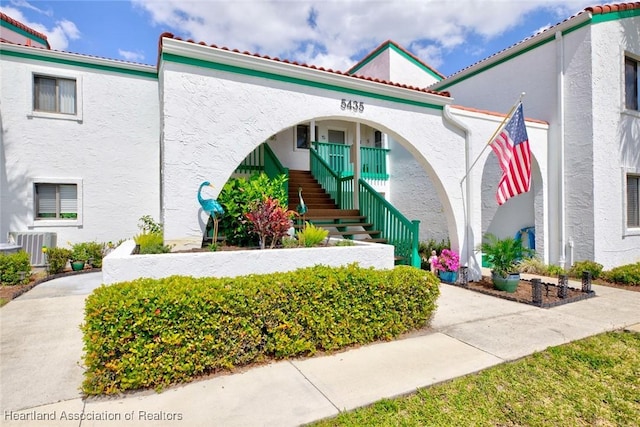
point(32, 243)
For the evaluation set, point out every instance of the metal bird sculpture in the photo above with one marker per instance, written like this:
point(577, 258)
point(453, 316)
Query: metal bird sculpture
point(212, 207)
point(301, 208)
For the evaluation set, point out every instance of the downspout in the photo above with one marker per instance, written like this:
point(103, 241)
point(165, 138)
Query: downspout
point(561, 187)
point(467, 189)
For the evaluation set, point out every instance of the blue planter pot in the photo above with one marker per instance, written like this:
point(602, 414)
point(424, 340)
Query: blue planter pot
point(448, 276)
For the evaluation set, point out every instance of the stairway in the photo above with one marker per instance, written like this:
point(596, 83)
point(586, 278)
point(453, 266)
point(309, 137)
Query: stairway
point(323, 212)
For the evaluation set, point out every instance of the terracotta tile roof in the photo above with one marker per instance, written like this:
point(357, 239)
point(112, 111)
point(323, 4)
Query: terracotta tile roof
point(388, 42)
point(286, 61)
point(595, 10)
point(18, 24)
point(494, 113)
point(619, 7)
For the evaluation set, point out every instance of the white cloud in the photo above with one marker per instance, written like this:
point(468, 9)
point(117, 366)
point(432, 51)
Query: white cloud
point(61, 33)
point(58, 36)
point(341, 28)
point(131, 56)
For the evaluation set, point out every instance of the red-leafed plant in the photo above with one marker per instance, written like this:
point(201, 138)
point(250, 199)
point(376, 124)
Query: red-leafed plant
point(270, 221)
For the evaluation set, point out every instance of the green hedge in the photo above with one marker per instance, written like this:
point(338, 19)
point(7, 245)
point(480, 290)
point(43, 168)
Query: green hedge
point(625, 274)
point(11, 265)
point(155, 332)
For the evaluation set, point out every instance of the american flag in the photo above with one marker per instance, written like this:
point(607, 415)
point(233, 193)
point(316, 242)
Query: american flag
point(514, 156)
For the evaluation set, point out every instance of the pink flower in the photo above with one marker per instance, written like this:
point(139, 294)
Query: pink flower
point(448, 261)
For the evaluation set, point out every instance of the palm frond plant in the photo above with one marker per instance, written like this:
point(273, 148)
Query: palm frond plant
point(504, 254)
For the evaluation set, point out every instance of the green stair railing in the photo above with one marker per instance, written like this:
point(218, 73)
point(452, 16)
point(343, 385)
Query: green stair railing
point(337, 156)
point(263, 159)
point(338, 185)
point(373, 163)
point(395, 227)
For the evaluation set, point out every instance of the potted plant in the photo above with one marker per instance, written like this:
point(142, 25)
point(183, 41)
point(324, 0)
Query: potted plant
point(504, 255)
point(447, 265)
point(79, 256)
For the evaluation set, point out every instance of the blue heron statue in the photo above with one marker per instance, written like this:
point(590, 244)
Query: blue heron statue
point(301, 208)
point(212, 207)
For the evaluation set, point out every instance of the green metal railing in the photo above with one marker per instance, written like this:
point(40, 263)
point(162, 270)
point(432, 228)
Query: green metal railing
point(373, 163)
point(337, 156)
point(263, 159)
point(338, 185)
point(395, 228)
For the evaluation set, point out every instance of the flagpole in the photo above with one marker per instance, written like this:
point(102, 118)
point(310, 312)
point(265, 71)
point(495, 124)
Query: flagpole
point(506, 118)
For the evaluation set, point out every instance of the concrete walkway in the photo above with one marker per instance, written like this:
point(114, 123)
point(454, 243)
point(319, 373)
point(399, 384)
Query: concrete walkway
point(41, 350)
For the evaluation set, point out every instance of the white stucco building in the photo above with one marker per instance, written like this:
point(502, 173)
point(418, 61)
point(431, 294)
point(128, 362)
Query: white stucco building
point(581, 77)
point(89, 145)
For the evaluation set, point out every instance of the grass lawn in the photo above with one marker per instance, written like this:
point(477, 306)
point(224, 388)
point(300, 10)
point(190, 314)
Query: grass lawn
point(595, 381)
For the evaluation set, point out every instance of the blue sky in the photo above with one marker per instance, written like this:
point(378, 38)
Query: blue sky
point(446, 34)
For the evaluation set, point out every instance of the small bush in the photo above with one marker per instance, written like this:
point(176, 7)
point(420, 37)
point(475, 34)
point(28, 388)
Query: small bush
point(532, 266)
point(151, 240)
point(238, 196)
point(555, 270)
point(58, 258)
point(152, 333)
point(578, 267)
point(270, 221)
point(151, 243)
point(311, 235)
point(11, 265)
point(89, 251)
point(625, 274)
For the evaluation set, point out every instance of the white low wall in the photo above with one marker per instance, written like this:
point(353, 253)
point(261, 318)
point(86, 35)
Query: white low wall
point(120, 265)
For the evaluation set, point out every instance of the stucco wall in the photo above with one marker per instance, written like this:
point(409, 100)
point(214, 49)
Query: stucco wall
point(524, 210)
point(112, 152)
point(413, 193)
point(616, 141)
point(121, 266)
point(600, 138)
point(204, 138)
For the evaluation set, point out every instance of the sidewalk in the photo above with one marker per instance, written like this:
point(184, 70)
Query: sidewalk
point(41, 350)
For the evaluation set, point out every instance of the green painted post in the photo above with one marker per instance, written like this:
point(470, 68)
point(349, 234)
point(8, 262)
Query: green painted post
point(415, 256)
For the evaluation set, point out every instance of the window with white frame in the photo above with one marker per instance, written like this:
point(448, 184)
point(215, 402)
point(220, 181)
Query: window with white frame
point(633, 201)
point(54, 95)
point(631, 83)
point(56, 201)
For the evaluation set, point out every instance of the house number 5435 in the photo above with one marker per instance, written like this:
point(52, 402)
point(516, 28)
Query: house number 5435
point(356, 106)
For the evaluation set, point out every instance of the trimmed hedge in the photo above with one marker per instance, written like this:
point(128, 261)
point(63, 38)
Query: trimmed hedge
point(11, 265)
point(156, 332)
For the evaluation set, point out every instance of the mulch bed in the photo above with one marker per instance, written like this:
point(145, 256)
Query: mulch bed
point(523, 293)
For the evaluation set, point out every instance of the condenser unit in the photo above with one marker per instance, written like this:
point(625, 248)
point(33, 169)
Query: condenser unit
point(32, 243)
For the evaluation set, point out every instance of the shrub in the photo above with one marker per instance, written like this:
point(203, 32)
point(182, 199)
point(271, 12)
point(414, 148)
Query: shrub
point(578, 267)
point(11, 265)
point(270, 221)
point(155, 332)
point(238, 196)
point(532, 266)
point(58, 258)
point(311, 235)
point(151, 240)
point(151, 243)
point(555, 270)
point(625, 274)
point(88, 251)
